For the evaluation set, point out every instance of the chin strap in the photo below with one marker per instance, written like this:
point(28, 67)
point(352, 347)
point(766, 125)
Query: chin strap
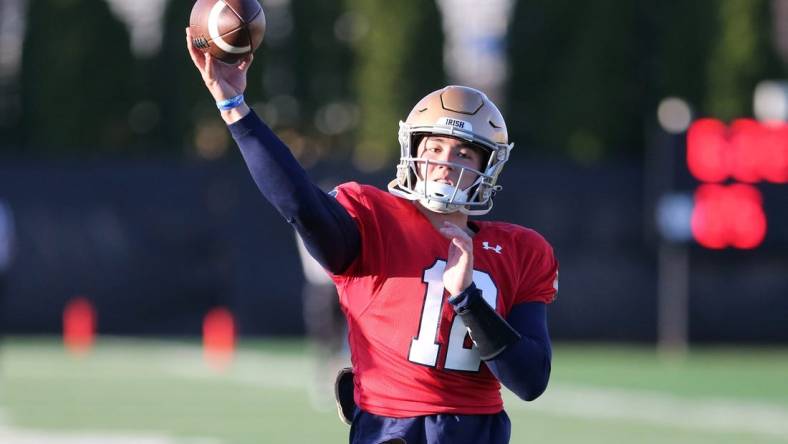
point(488, 329)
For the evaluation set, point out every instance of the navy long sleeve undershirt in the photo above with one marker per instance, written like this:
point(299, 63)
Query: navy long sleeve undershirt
point(333, 239)
point(524, 367)
point(329, 233)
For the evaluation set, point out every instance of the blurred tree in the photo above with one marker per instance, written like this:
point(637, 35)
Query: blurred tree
point(398, 60)
point(176, 85)
point(742, 55)
point(575, 82)
point(323, 62)
point(12, 15)
point(76, 79)
point(316, 73)
point(586, 76)
point(683, 35)
point(299, 69)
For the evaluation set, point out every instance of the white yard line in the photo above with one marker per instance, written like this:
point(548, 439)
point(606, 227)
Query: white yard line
point(636, 406)
point(16, 436)
point(257, 369)
point(13, 435)
point(274, 371)
point(719, 415)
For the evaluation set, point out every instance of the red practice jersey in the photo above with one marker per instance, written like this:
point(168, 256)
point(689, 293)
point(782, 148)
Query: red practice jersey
point(411, 356)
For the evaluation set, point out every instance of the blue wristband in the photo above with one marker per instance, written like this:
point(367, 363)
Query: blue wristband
point(233, 102)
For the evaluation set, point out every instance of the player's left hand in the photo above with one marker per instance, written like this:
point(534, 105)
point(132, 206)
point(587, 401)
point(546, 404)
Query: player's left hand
point(458, 274)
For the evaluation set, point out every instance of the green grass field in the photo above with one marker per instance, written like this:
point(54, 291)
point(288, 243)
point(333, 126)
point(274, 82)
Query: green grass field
point(157, 392)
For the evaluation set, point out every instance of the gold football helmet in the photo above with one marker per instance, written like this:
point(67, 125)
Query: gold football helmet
point(460, 112)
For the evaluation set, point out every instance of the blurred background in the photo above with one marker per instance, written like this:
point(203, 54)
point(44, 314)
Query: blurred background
point(651, 150)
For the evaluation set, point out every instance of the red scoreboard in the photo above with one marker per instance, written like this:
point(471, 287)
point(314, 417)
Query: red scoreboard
point(728, 160)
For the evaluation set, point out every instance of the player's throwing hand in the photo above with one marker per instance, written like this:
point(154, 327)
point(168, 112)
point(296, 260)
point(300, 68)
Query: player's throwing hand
point(458, 274)
point(223, 80)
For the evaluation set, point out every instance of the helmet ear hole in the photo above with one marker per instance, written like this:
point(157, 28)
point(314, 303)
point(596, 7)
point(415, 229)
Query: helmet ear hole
point(485, 154)
point(415, 141)
point(472, 190)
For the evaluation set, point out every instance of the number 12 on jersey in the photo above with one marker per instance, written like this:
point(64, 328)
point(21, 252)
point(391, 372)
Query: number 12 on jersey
point(424, 348)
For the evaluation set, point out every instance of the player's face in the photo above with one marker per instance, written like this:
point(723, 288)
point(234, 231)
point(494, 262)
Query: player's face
point(449, 149)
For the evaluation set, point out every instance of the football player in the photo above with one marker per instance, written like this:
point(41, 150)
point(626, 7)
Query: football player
point(441, 309)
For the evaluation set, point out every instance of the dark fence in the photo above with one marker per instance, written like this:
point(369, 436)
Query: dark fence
point(155, 245)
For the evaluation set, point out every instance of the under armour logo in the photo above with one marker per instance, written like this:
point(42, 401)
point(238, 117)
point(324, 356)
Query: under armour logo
point(487, 246)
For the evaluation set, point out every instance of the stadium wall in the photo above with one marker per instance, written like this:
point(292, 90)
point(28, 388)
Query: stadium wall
point(155, 245)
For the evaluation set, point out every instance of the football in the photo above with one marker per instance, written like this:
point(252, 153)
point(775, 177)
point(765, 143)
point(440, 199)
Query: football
point(227, 29)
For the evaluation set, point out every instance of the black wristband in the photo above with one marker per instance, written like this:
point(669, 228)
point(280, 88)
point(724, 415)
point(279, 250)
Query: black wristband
point(488, 329)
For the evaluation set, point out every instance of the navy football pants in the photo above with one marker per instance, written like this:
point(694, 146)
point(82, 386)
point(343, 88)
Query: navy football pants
point(434, 429)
